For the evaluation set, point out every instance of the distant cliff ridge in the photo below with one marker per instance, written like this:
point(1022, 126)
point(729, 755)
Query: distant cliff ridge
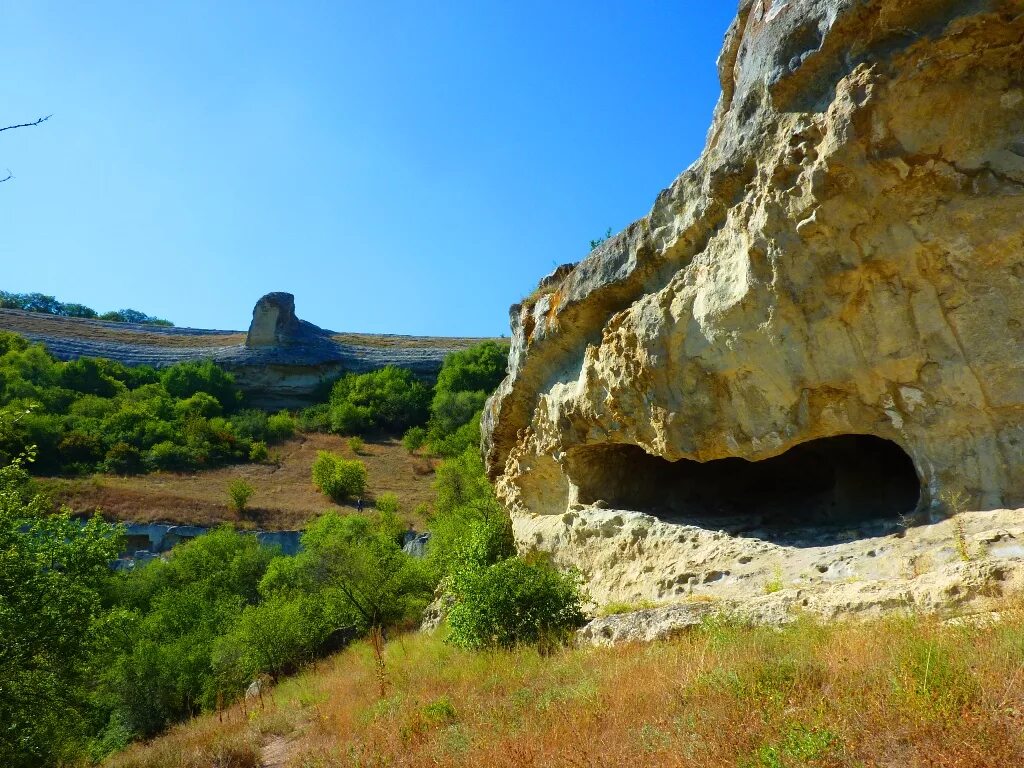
point(280, 362)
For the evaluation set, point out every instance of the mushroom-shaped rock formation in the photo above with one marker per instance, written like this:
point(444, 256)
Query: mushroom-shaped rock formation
point(819, 325)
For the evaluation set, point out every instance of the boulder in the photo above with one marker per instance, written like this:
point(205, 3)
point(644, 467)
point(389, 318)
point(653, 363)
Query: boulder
point(820, 322)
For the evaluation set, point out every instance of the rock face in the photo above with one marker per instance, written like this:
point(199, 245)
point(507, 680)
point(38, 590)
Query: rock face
point(273, 321)
point(818, 324)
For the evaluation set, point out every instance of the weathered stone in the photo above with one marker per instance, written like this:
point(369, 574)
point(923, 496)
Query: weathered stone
point(273, 321)
point(846, 258)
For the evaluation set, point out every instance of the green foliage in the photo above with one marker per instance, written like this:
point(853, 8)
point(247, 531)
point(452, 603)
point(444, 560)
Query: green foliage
point(387, 503)
point(607, 234)
point(337, 477)
point(414, 438)
point(465, 505)
point(52, 571)
point(316, 418)
point(239, 493)
point(93, 414)
point(463, 385)
point(357, 565)
point(183, 380)
point(800, 745)
point(280, 426)
point(38, 302)
point(258, 452)
point(356, 445)
point(513, 602)
point(272, 637)
point(500, 599)
point(160, 669)
point(390, 399)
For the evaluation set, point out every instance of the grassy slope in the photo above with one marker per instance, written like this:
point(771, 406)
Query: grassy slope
point(898, 692)
point(284, 499)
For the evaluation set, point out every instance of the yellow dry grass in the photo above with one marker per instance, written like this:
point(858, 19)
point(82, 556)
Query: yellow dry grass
point(284, 497)
point(897, 692)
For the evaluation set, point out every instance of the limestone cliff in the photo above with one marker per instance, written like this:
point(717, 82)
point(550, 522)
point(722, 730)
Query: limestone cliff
point(281, 362)
point(833, 291)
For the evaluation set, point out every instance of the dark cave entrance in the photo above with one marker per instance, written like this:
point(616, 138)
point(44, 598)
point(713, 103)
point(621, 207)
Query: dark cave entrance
point(842, 481)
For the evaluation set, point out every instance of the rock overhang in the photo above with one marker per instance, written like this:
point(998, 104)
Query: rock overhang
point(845, 258)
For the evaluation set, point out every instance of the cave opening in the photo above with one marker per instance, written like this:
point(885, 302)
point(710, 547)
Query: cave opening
point(842, 481)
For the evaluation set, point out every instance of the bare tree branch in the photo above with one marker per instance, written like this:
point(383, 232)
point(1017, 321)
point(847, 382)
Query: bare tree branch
point(26, 125)
point(8, 177)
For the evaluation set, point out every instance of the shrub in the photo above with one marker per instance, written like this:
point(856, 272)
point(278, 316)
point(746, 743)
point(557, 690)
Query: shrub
point(280, 426)
point(239, 493)
point(356, 445)
point(258, 451)
point(389, 399)
point(513, 602)
point(387, 503)
point(414, 438)
point(169, 457)
point(337, 477)
point(273, 637)
point(185, 379)
point(463, 384)
point(316, 418)
point(123, 459)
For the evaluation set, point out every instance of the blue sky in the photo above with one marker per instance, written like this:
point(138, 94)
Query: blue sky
point(400, 167)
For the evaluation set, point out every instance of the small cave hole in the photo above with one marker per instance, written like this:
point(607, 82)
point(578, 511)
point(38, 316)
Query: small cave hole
point(843, 481)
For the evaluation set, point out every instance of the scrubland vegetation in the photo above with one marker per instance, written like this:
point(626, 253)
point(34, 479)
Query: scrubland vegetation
point(92, 661)
point(896, 692)
point(93, 414)
point(189, 633)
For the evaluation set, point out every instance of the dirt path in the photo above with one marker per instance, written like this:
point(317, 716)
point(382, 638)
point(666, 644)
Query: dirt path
point(275, 752)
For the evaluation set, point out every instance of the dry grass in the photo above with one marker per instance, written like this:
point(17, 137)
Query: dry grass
point(283, 495)
point(98, 330)
point(897, 692)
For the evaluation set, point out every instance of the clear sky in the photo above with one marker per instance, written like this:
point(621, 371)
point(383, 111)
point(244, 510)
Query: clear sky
point(401, 167)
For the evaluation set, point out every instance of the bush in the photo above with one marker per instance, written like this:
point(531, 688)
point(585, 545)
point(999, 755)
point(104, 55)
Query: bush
point(183, 380)
point(316, 418)
point(239, 493)
point(387, 503)
point(389, 399)
point(337, 477)
point(280, 426)
point(414, 438)
point(53, 571)
point(273, 637)
point(258, 452)
point(123, 459)
point(513, 602)
point(169, 457)
point(356, 445)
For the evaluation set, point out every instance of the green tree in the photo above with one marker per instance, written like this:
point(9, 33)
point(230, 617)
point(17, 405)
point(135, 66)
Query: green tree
point(358, 564)
point(52, 571)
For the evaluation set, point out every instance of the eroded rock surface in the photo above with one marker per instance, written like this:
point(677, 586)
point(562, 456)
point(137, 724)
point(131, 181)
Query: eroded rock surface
point(835, 286)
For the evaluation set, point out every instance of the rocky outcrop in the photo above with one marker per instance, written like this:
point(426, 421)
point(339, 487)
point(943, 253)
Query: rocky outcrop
point(282, 362)
point(818, 324)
